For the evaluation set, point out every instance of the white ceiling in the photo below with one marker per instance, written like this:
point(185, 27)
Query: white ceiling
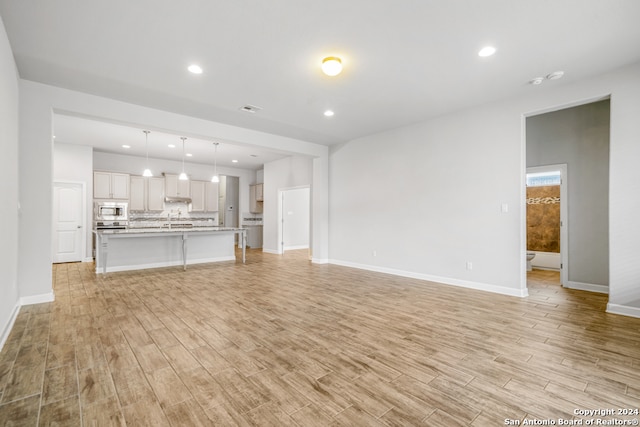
point(110, 138)
point(404, 62)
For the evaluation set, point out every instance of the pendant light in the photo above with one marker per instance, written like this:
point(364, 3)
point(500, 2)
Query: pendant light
point(183, 176)
point(215, 177)
point(147, 171)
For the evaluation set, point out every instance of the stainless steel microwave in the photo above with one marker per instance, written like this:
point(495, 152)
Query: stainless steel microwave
point(111, 211)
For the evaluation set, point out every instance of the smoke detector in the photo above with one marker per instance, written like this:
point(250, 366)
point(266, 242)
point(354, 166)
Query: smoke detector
point(250, 108)
point(555, 75)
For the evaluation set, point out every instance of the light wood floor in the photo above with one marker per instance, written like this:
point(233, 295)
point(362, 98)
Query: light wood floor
point(282, 342)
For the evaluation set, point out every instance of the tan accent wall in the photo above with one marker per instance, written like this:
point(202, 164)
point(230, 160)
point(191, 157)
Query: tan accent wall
point(543, 218)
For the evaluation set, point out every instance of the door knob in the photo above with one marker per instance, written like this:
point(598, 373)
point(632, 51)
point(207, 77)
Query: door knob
point(79, 226)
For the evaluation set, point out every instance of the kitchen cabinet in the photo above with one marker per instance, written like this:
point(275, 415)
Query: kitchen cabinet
point(155, 194)
point(146, 194)
point(173, 187)
point(110, 185)
point(211, 196)
point(204, 196)
point(255, 205)
point(259, 192)
point(137, 194)
point(197, 196)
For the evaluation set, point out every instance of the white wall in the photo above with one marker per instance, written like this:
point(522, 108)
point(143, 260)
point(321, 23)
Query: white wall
point(428, 197)
point(9, 294)
point(39, 102)
point(75, 163)
point(290, 172)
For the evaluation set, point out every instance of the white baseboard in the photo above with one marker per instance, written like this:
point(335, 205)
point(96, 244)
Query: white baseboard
point(270, 251)
point(37, 299)
point(443, 280)
point(295, 248)
point(164, 264)
point(623, 310)
point(319, 260)
point(90, 259)
point(6, 330)
point(587, 287)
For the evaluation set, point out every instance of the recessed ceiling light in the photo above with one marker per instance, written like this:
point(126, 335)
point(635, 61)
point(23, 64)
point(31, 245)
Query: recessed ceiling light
point(189, 155)
point(487, 51)
point(126, 146)
point(253, 155)
point(536, 81)
point(329, 113)
point(171, 146)
point(195, 69)
point(234, 161)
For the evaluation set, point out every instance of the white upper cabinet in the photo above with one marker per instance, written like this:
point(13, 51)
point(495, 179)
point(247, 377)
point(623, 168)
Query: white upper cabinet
point(175, 187)
point(110, 185)
point(147, 194)
point(197, 196)
point(255, 204)
point(259, 192)
point(204, 196)
point(211, 196)
point(137, 199)
point(155, 194)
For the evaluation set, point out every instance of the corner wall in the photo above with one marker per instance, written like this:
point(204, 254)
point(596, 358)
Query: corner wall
point(418, 197)
point(9, 215)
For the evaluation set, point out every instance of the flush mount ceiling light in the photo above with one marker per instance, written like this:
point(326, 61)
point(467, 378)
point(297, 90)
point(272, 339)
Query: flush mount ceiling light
point(329, 113)
point(487, 51)
point(147, 171)
point(171, 146)
point(215, 177)
point(126, 146)
point(332, 66)
point(183, 176)
point(195, 69)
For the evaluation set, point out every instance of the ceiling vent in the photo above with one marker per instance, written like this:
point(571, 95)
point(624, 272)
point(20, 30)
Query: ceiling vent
point(250, 108)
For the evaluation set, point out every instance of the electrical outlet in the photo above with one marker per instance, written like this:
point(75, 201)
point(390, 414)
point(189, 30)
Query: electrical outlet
point(469, 265)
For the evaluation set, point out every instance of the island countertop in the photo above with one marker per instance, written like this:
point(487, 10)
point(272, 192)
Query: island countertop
point(146, 230)
point(151, 247)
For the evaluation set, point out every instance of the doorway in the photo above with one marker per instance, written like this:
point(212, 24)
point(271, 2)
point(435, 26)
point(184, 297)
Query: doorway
point(69, 237)
point(547, 219)
point(578, 137)
point(294, 218)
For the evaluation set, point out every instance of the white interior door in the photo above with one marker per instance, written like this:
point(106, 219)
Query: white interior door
point(68, 222)
point(295, 219)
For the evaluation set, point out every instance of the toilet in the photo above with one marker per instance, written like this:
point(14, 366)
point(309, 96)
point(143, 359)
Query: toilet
point(530, 256)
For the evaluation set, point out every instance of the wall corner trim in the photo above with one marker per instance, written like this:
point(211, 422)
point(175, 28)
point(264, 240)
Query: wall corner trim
point(37, 299)
point(623, 310)
point(6, 330)
point(521, 293)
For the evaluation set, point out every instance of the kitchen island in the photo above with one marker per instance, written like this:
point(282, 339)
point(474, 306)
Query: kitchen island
point(141, 248)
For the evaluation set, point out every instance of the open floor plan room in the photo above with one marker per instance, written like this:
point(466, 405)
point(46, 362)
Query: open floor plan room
point(280, 341)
